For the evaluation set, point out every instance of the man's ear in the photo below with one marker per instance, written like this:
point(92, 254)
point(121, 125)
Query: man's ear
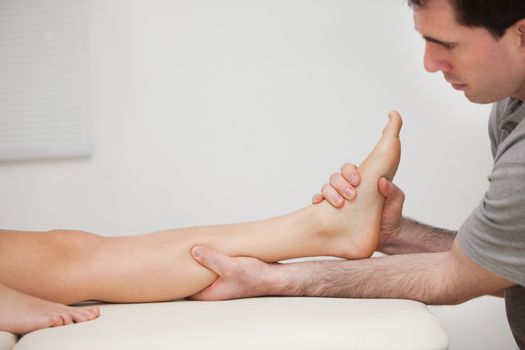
point(520, 29)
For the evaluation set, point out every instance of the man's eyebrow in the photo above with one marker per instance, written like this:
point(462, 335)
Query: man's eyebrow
point(439, 42)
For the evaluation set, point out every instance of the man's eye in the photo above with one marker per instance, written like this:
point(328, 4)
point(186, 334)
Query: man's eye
point(442, 44)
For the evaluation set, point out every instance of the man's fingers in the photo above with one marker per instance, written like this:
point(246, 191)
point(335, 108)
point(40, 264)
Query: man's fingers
point(210, 259)
point(351, 174)
point(205, 294)
point(342, 186)
point(317, 198)
point(331, 195)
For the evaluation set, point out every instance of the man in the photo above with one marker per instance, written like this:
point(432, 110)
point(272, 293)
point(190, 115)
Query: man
point(479, 46)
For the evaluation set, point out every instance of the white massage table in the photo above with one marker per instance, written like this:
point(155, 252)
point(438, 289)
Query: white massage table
point(258, 323)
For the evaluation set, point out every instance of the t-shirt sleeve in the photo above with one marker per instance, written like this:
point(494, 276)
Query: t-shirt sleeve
point(494, 234)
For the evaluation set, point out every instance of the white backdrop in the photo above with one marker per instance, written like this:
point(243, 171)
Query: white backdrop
point(223, 111)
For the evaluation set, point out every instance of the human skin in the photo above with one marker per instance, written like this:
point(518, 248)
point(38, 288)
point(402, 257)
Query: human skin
point(75, 266)
point(486, 69)
point(427, 263)
point(22, 313)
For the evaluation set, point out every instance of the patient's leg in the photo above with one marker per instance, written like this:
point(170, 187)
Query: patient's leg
point(21, 313)
point(77, 266)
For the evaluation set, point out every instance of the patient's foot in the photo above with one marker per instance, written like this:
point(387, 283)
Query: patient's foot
point(357, 224)
point(21, 313)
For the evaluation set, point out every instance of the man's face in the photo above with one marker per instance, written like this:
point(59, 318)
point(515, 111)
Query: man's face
point(471, 59)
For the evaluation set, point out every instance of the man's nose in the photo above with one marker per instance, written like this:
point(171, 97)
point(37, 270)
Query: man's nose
point(434, 60)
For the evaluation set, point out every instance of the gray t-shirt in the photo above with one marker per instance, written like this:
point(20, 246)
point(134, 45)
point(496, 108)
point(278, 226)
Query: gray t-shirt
point(494, 234)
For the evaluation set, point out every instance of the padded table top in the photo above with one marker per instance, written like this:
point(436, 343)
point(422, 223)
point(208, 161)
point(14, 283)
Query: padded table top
point(258, 323)
point(7, 340)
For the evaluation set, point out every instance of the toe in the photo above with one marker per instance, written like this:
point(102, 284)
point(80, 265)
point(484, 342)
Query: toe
point(67, 318)
point(80, 315)
point(393, 127)
point(94, 311)
point(56, 321)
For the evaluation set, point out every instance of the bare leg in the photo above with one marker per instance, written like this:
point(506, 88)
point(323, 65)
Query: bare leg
point(21, 313)
point(158, 266)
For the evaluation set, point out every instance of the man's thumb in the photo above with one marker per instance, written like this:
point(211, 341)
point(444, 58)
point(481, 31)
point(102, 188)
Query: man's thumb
point(394, 195)
point(208, 258)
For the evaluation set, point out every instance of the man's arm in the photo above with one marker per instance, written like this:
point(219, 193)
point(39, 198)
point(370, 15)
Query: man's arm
point(416, 237)
point(432, 278)
point(399, 235)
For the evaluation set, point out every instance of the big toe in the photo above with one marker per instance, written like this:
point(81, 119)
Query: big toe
point(393, 127)
point(94, 311)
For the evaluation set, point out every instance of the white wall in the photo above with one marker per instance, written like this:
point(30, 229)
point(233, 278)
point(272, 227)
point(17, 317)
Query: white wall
point(223, 111)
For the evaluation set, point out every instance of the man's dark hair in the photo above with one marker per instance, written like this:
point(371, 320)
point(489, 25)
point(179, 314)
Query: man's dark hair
point(494, 15)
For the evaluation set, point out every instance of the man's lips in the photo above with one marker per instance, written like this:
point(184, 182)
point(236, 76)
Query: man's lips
point(457, 86)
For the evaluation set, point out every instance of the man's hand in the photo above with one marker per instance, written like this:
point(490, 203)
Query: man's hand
point(241, 277)
point(342, 186)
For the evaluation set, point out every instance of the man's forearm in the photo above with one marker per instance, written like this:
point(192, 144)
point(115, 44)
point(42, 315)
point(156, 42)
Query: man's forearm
point(416, 237)
point(419, 277)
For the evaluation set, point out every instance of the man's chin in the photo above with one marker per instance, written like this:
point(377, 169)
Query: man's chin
point(482, 100)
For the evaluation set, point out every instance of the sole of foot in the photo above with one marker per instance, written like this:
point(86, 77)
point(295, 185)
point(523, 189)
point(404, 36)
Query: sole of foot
point(357, 224)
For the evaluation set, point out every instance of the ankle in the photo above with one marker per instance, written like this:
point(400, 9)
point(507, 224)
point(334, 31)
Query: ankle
point(346, 239)
point(324, 222)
